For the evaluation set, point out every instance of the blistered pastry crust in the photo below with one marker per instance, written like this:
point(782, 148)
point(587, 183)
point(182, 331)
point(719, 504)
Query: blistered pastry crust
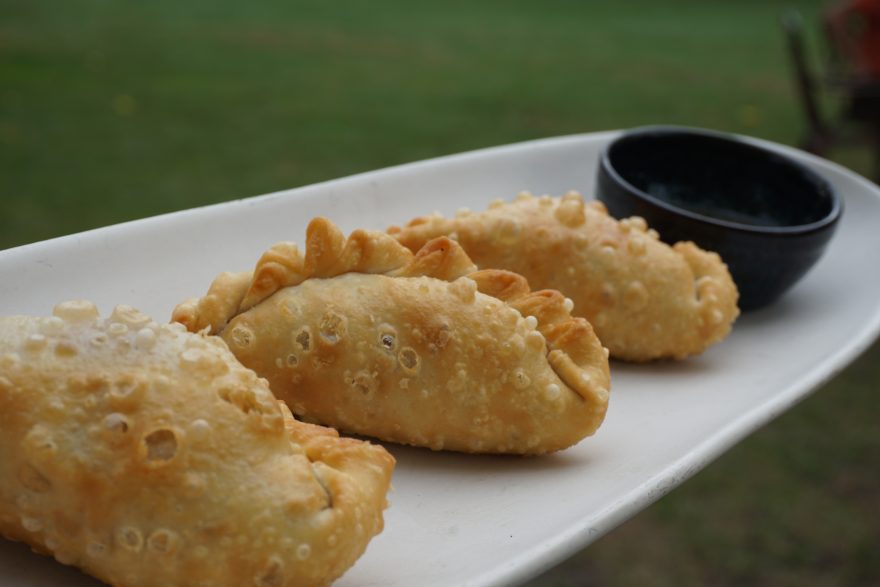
point(362, 335)
point(148, 456)
point(646, 300)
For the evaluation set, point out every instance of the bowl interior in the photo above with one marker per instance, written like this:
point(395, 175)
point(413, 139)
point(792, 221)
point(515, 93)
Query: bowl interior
point(722, 179)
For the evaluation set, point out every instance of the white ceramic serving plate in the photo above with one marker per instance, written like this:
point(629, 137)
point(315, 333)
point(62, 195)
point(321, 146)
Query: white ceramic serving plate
point(460, 520)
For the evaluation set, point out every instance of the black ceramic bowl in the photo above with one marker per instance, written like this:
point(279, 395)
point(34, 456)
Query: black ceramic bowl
point(769, 217)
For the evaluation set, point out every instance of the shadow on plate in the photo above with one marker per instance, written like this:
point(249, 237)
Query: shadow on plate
point(416, 459)
point(21, 567)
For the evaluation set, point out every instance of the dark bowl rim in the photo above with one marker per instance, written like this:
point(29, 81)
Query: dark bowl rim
point(739, 142)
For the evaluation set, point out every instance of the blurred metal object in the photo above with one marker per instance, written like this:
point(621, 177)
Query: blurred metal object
point(819, 137)
point(859, 120)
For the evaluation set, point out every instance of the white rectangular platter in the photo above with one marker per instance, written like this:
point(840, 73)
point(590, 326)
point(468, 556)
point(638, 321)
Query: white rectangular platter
point(458, 520)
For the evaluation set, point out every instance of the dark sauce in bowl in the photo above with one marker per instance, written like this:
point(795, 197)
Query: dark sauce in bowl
point(720, 180)
point(767, 215)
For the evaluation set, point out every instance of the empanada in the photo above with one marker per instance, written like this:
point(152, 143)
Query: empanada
point(646, 300)
point(149, 457)
point(362, 335)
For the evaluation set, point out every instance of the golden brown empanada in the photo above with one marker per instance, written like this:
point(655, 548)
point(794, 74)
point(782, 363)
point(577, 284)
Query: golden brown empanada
point(149, 457)
point(647, 300)
point(362, 335)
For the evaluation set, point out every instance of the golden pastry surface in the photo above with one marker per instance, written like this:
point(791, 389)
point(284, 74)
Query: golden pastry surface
point(148, 456)
point(362, 335)
point(646, 300)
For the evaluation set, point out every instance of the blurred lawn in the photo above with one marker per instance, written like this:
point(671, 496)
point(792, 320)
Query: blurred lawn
point(113, 110)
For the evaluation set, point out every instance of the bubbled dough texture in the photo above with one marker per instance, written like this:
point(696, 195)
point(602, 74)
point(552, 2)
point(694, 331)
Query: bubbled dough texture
point(148, 456)
point(645, 299)
point(412, 360)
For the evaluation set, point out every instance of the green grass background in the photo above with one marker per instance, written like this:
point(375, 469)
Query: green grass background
point(112, 110)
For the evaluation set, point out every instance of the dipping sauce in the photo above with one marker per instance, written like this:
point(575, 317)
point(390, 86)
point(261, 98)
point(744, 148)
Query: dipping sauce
point(712, 179)
point(768, 215)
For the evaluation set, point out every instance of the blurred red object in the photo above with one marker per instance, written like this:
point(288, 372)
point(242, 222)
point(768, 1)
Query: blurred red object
point(852, 72)
point(853, 31)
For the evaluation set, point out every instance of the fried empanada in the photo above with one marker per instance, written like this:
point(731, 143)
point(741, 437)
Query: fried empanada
point(364, 336)
point(148, 456)
point(646, 300)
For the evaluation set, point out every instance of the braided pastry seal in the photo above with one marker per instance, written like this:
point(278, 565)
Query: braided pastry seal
point(364, 336)
point(148, 456)
point(647, 300)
